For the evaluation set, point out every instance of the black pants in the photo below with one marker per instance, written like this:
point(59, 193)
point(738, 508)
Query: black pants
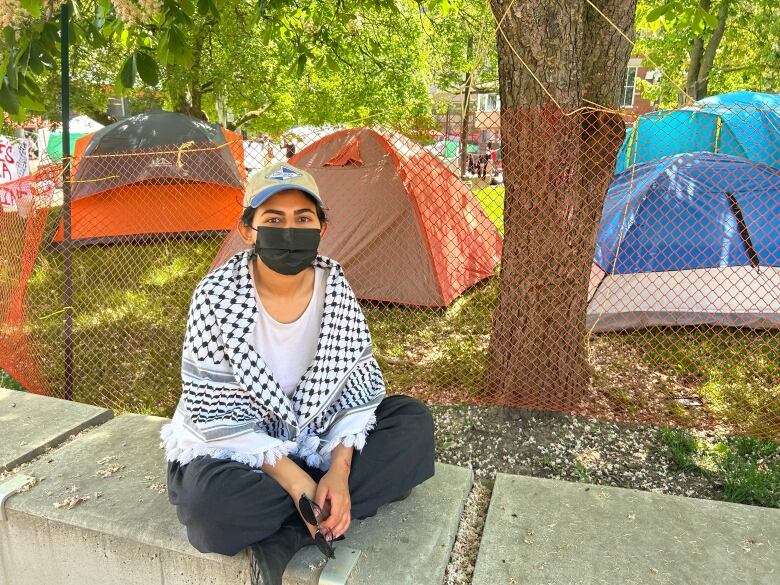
point(482, 165)
point(226, 506)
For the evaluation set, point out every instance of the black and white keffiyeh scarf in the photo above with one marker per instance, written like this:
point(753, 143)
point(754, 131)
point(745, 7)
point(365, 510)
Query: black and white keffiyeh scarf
point(232, 408)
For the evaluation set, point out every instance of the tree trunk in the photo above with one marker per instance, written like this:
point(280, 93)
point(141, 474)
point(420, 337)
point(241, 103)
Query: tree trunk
point(466, 111)
point(186, 94)
point(556, 171)
point(703, 80)
point(694, 66)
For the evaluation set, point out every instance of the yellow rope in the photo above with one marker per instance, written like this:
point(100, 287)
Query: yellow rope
point(57, 312)
point(181, 150)
point(529, 70)
point(634, 132)
point(92, 180)
point(156, 152)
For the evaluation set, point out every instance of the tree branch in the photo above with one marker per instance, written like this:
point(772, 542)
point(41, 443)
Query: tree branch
point(250, 116)
point(694, 67)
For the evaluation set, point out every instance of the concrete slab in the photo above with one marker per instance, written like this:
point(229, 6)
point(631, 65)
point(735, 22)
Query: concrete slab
point(541, 531)
point(130, 533)
point(407, 543)
point(29, 423)
point(125, 533)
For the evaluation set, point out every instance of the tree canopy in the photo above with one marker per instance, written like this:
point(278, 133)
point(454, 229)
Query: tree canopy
point(271, 63)
point(706, 47)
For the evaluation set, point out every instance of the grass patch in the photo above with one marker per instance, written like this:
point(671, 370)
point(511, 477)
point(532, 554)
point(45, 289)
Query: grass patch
point(129, 310)
point(492, 199)
point(746, 468)
point(130, 304)
point(734, 373)
point(7, 381)
point(751, 472)
point(683, 448)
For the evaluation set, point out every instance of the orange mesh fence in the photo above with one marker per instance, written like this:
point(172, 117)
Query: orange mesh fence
point(569, 262)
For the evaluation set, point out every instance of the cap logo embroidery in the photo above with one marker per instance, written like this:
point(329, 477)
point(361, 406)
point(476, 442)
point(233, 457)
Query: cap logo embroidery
point(283, 174)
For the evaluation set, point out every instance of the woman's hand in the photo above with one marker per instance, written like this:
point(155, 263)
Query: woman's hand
point(333, 492)
point(295, 481)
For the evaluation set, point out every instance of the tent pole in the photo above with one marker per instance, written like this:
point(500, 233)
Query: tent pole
point(67, 268)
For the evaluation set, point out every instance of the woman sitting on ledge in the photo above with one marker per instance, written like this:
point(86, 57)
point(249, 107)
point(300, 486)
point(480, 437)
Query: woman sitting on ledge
point(283, 432)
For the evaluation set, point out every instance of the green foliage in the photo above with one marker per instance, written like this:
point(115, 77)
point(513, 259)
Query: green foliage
point(581, 471)
point(748, 56)
point(682, 448)
point(271, 63)
point(747, 468)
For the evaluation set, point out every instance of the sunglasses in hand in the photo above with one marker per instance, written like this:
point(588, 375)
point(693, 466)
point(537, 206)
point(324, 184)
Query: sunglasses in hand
point(312, 513)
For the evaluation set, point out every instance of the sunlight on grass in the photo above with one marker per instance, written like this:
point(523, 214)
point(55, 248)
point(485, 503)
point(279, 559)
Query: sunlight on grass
point(492, 199)
point(734, 371)
point(130, 306)
point(746, 468)
point(164, 275)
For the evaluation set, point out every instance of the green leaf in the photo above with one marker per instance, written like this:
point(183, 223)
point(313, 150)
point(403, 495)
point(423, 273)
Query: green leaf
point(331, 63)
point(658, 12)
point(33, 58)
point(127, 75)
point(710, 19)
point(10, 72)
point(697, 25)
point(267, 32)
point(33, 7)
point(50, 36)
point(204, 6)
point(187, 7)
point(30, 103)
point(9, 101)
point(301, 65)
point(179, 52)
point(147, 68)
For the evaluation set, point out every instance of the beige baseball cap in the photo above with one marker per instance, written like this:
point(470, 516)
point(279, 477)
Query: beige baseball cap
point(279, 177)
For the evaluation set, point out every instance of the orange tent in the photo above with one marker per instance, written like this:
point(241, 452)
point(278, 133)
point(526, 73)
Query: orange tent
point(155, 175)
point(404, 227)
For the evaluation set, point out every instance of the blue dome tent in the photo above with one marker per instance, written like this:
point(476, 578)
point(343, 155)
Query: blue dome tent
point(689, 239)
point(741, 123)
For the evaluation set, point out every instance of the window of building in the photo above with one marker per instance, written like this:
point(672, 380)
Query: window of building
point(488, 102)
point(629, 86)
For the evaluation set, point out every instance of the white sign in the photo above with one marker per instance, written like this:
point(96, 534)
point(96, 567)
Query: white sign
point(14, 159)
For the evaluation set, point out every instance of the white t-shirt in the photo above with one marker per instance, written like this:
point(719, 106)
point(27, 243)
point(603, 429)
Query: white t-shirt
point(288, 348)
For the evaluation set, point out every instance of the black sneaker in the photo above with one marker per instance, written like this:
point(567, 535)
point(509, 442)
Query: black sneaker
point(269, 558)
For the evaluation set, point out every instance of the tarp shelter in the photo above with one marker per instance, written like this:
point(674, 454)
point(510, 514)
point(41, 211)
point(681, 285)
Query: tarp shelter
point(161, 174)
point(403, 226)
point(742, 123)
point(78, 127)
point(687, 240)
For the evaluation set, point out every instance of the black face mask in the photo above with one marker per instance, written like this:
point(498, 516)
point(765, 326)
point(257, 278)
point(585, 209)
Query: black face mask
point(287, 250)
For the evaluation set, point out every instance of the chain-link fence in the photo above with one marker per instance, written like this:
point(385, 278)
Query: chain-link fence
point(478, 257)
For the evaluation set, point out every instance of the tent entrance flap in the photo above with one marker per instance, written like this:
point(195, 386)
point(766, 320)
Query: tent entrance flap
point(743, 231)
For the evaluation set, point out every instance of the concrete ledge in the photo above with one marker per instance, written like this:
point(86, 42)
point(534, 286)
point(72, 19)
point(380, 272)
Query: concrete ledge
point(127, 531)
point(541, 531)
point(406, 543)
point(31, 423)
